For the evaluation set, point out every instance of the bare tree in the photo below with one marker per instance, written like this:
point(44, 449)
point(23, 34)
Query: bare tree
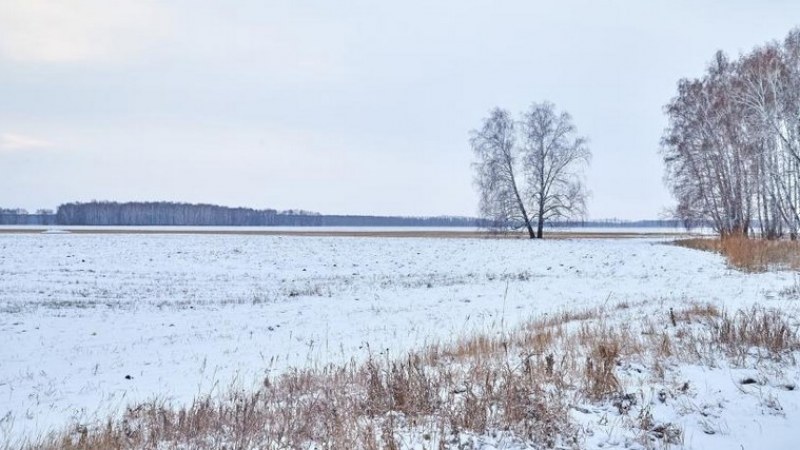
point(530, 176)
point(554, 160)
point(732, 147)
point(498, 172)
point(708, 152)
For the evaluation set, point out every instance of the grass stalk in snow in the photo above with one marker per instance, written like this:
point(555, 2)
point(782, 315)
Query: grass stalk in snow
point(557, 382)
point(753, 255)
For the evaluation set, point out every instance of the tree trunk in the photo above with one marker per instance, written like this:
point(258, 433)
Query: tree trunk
point(525, 215)
point(530, 230)
point(521, 206)
point(540, 219)
point(540, 227)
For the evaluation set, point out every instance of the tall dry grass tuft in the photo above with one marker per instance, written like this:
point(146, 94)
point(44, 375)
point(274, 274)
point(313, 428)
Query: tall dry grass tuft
point(753, 255)
point(760, 330)
point(523, 383)
point(601, 380)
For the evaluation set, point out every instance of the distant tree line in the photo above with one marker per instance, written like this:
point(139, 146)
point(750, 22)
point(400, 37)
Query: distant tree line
point(186, 214)
point(18, 216)
point(732, 147)
point(619, 223)
point(170, 213)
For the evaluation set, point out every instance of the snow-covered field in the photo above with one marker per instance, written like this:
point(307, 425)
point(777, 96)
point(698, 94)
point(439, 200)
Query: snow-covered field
point(611, 230)
point(90, 323)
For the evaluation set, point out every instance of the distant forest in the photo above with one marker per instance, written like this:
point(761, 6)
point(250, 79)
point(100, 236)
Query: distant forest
point(186, 214)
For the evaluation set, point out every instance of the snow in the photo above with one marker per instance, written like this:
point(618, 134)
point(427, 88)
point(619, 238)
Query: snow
point(91, 323)
point(344, 229)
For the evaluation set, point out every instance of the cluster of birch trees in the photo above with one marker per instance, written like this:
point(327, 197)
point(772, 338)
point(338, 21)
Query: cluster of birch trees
point(732, 147)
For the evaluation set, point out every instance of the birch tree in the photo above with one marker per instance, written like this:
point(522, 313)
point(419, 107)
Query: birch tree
point(732, 147)
point(554, 160)
point(498, 173)
point(529, 171)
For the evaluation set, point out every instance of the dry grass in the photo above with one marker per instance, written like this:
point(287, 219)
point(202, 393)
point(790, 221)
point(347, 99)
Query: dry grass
point(753, 255)
point(761, 332)
point(523, 383)
point(695, 312)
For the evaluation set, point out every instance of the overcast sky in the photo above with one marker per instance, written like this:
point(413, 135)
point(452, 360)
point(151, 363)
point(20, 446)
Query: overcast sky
point(340, 107)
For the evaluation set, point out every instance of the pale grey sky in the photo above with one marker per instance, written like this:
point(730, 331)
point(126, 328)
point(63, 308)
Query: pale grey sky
point(340, 107)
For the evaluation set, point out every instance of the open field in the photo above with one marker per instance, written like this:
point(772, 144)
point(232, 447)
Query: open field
point(92, 323)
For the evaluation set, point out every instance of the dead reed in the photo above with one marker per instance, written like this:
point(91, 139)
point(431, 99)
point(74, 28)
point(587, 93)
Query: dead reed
point(523, 384)
point(753, 255)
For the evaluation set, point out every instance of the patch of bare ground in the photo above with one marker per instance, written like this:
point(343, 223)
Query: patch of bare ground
point(752, 255)
point(553, 383)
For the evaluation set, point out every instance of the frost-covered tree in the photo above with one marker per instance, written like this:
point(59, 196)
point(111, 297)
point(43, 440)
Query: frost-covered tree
point(555, 157)
point(529, 171)
point(732, 147)
point(498, 173)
